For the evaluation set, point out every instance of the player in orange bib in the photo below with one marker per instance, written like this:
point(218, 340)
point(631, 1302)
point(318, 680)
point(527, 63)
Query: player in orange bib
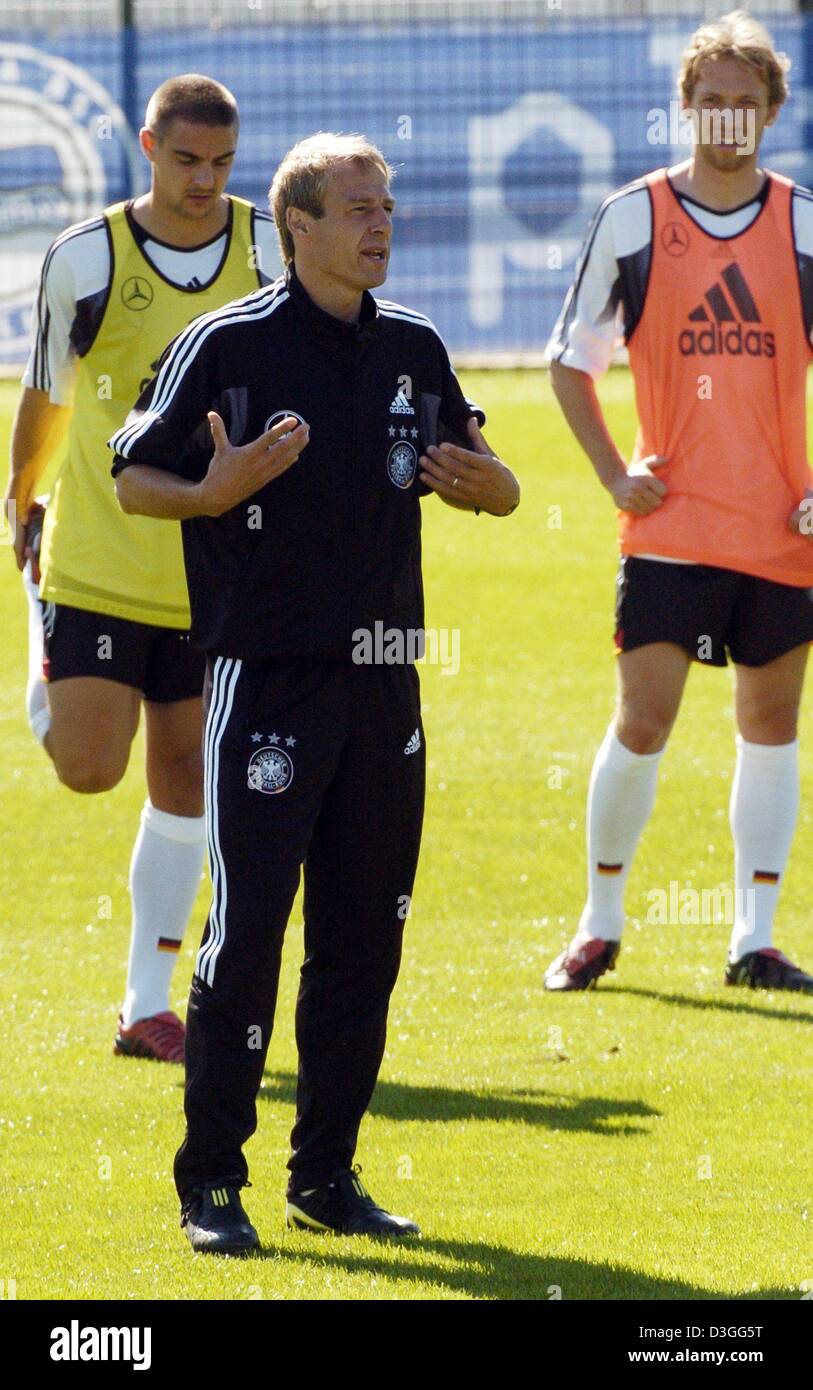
point(706, 269)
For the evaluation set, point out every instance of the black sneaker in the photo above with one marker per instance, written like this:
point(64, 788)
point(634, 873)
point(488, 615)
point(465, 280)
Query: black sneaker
point(581, 968)
point(768, 969)
point(345, 1206)
point(215, 1222)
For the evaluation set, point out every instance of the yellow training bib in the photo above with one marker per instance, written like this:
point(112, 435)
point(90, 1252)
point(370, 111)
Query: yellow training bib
point(95, 556)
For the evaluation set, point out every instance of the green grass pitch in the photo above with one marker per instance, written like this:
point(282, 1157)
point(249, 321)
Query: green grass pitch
point(647, 1140)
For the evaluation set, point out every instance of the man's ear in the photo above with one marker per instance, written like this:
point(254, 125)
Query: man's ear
point(148, 142)
point(297, 222)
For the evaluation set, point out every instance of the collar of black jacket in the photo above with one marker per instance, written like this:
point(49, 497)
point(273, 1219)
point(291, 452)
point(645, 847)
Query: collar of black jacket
point(336, 332)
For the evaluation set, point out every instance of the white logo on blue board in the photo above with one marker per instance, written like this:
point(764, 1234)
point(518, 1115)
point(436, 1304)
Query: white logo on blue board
point(402, 463)
point(66, 147)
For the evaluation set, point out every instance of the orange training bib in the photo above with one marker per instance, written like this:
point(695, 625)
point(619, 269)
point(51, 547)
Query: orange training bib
point(720, 357)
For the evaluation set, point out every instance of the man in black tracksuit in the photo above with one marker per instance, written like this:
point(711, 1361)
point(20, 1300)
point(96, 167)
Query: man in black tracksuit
point(302, 545)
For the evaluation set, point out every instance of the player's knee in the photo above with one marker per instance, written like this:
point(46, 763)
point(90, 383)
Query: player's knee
point(81, 773)
point(643, 730)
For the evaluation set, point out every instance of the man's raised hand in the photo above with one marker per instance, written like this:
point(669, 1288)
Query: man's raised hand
point(237, 472)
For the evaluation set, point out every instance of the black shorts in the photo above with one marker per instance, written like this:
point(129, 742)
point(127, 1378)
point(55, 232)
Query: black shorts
point(709, 612)
point(159, 661)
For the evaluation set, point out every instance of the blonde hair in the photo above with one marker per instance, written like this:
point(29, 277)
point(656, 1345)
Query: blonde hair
point(302, 177)
point(736, 35)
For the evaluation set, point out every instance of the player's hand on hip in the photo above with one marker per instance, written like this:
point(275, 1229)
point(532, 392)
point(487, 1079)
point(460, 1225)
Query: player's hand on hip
point(800, 520)
point(638, 490)
point(470, 477)
point(237, 472)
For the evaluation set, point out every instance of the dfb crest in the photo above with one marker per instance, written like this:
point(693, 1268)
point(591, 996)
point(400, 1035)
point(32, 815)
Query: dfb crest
point(270, 770)
point(402, 463)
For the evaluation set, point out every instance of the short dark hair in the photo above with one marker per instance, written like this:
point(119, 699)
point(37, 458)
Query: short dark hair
point(192, 98)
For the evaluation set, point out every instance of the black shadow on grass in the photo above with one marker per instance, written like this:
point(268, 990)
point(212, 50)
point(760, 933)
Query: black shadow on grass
point(396, 1101)
point(729, 1006)
point(496, 1272)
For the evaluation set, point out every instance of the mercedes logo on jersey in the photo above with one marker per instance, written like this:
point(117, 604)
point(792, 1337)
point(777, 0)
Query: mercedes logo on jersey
point(137, 293)
point(675, 239)
point(278, 416)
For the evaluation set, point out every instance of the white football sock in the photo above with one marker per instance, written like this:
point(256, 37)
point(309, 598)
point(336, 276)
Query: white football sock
point(619, 804)
point(164, 877)
point(763, 811)
point(36, 691)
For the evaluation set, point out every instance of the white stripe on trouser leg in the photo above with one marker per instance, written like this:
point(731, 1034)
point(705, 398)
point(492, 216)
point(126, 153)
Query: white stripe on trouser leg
point(222, 678)
point(225, 676)
point(228, 672)
point(214, 866)
point(230, 680)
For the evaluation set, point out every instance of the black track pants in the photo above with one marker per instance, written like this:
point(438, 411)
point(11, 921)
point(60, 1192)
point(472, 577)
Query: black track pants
point(322, 763)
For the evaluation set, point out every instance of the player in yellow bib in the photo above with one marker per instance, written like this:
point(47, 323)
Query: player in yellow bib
point(109, 614)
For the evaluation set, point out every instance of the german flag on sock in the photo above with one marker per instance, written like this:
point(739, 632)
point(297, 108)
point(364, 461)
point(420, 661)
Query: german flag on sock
point(168, 943)
point(765, 876)
point(609, 868)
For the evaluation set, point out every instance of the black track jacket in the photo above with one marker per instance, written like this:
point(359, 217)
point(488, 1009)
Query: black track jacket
point(333, 544)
